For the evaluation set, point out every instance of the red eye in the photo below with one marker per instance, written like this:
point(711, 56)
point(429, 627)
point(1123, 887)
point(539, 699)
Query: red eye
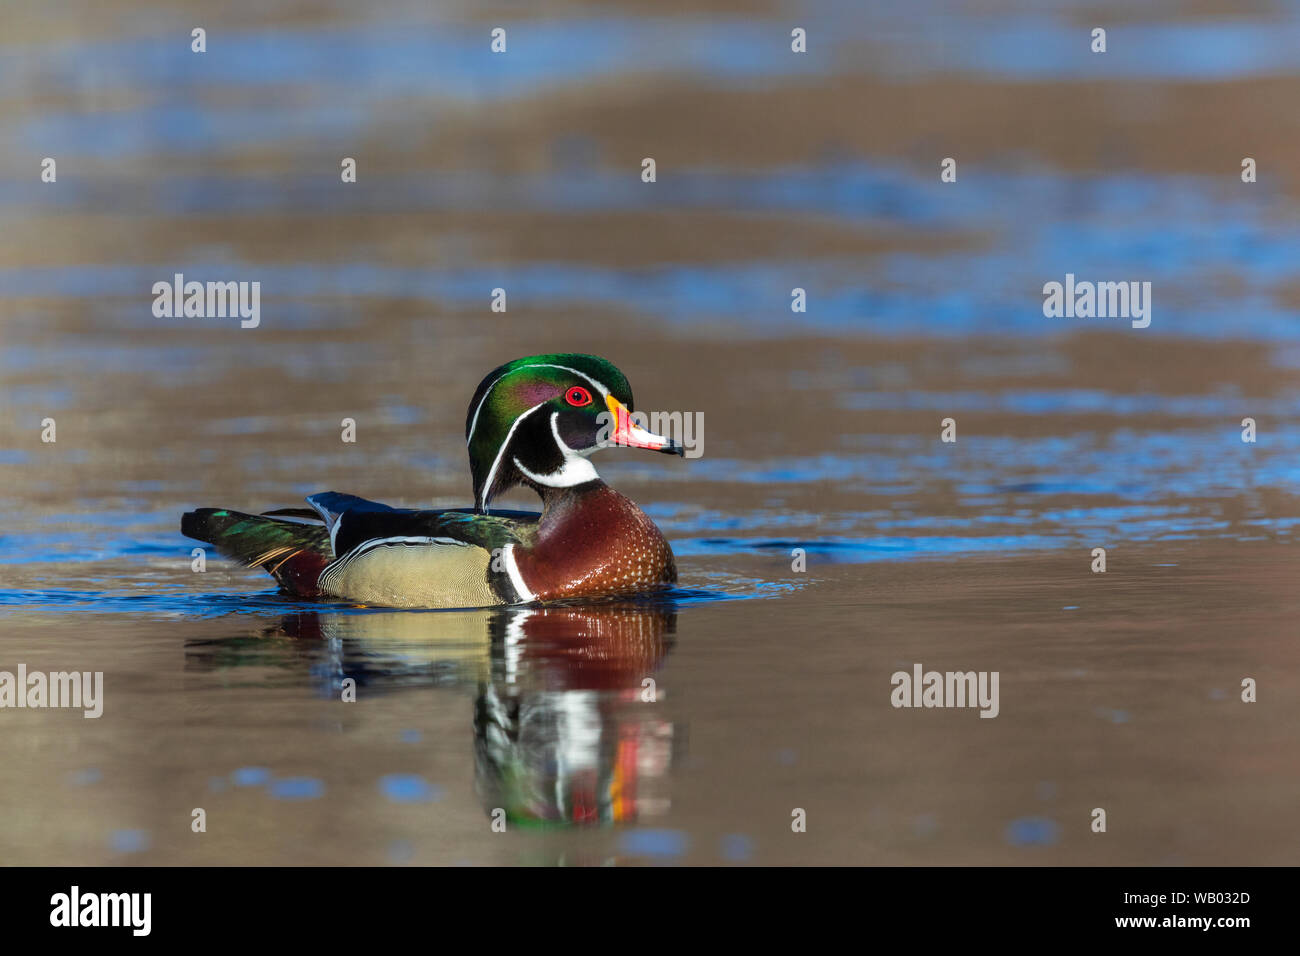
point(578, 396)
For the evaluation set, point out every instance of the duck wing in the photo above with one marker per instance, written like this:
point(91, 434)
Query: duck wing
point(403, 557)
point(353, 522)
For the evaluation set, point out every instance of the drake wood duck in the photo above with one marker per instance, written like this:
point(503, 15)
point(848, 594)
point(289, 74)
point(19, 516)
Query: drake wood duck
point(532, 422)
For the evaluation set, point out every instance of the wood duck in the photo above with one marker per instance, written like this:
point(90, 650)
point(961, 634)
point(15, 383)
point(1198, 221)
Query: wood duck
point(534, 422)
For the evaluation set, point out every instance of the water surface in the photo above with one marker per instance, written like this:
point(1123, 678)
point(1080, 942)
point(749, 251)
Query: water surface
point(826, 538)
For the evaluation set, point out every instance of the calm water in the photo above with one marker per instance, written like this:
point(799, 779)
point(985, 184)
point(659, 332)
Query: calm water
point(771, 685)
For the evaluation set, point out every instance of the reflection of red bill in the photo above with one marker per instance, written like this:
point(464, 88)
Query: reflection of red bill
point(622, 790)
point(627, 432)
point(582, 797)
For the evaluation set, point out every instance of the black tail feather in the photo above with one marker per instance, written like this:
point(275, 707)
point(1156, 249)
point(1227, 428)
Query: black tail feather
point(291, 551)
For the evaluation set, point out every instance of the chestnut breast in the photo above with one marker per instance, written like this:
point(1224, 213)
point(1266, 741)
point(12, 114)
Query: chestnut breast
point(595, 542)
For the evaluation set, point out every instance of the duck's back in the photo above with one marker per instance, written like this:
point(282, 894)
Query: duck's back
point(370, 553)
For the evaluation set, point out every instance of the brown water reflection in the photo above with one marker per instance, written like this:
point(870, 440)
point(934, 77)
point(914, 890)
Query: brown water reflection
point(565, 731)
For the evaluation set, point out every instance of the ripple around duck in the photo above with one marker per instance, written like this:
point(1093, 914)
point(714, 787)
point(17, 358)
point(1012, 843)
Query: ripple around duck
point(1014, 496)
point(178, 602)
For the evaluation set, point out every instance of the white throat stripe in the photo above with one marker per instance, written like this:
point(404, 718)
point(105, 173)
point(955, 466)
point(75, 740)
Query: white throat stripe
point(576, 470)
point(487, 485)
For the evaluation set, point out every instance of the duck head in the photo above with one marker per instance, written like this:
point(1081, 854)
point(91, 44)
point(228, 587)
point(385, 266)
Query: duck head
point(535, 421)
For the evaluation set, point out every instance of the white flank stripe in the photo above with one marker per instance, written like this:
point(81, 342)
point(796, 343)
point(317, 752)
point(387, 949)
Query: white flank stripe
point(512, 571)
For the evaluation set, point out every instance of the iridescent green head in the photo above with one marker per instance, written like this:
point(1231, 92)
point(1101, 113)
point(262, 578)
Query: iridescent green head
point(535, 420)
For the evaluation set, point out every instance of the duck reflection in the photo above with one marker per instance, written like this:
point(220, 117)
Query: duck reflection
point(564, 731)
point(566, 727)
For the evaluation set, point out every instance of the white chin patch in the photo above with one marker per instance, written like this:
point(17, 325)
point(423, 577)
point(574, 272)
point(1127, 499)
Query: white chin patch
point(576, 469)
